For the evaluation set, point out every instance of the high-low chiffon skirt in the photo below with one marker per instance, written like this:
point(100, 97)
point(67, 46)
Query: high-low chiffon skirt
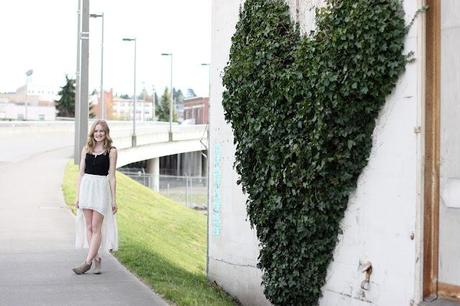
point(95, 194)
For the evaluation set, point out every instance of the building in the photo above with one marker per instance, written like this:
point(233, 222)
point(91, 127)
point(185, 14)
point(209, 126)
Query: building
point(29, 102)
point(46, 93)
point(122, 109)
point(94, 100)
point(404, 216)
point(196, 109)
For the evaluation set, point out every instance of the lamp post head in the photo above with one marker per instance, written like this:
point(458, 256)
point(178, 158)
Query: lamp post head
point(129, 39)
point(96, 15)
point(166, 54)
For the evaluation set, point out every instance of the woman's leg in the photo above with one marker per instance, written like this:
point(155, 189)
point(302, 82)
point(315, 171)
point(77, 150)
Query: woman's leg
point(96, 226)
point(88, 213)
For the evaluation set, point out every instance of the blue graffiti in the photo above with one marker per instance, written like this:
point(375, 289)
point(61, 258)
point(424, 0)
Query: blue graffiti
point(217, 194)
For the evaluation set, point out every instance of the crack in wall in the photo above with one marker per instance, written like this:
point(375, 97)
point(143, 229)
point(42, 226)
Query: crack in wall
point(233, 264)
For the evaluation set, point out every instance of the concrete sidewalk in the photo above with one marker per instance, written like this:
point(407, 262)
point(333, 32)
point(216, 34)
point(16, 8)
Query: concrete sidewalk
point(36, 243)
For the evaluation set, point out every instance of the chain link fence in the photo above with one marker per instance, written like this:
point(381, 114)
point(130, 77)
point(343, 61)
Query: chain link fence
point(190, 191)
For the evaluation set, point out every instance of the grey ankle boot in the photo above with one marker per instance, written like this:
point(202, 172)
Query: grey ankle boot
point(97, 266)
point(84, 267)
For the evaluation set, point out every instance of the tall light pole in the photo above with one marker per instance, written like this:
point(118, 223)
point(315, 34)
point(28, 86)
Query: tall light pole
point(28, 76)
point(101, 15)
point(76, 152)
point(171, 104)
point(81, 93)
point(133, 137)
point(208, 162)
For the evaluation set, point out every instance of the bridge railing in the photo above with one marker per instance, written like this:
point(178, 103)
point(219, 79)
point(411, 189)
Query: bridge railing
point(157, 133)
point(190, 191)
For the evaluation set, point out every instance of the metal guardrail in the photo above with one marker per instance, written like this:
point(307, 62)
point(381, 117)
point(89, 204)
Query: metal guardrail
point(190, 191)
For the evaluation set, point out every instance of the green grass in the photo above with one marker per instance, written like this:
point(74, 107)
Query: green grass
point(180, 197)
point(162, 242)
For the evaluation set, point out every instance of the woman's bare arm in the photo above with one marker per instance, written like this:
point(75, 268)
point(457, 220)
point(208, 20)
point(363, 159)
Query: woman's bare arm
point(82, 171)
point(112, 178)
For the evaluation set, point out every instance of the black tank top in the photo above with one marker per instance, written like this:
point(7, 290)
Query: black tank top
point(97, 164)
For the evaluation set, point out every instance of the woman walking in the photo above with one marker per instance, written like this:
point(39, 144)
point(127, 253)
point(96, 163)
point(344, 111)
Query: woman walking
point(96, 226)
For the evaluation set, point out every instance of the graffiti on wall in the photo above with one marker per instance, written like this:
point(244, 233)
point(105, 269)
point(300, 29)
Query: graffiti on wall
point(217, 191)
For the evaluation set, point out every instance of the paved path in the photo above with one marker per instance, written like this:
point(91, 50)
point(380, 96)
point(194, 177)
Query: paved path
point(37, 235)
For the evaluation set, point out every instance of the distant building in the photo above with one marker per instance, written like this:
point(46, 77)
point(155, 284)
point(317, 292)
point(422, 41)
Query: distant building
point(29, 102)
point(108, 104)
point(45, 93)
point(122, 109)
point(196, 110)
point(179, 107)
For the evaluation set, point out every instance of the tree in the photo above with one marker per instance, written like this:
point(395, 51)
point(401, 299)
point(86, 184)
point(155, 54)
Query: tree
point(163, 108)
point(66, 104)
point(156, 103)
point(178, 101)
point(178, 96)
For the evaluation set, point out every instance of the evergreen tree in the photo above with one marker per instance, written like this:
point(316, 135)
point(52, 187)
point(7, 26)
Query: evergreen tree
point(163, 108)
point(178, 96)
point(156, 104)
point(157, 100)
point(178, 101)
point(66, 104)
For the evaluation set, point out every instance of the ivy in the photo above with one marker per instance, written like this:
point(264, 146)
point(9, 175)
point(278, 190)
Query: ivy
point(303, 110)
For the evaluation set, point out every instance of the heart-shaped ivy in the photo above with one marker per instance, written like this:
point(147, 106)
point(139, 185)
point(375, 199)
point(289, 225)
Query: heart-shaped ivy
point(303, 109)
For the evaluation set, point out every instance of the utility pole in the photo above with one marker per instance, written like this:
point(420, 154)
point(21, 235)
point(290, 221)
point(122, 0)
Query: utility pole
point(76, 151)
point(101, 101)
point(171, 103)
point(81, 109)
point(133, 136)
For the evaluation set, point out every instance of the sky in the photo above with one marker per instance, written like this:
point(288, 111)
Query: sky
point(42, 35)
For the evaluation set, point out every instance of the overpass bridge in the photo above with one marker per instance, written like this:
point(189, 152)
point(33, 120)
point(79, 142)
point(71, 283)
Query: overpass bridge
point(152, 141)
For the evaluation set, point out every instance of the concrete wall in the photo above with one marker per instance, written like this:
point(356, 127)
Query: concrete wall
point(233, 246)
point(382, 222)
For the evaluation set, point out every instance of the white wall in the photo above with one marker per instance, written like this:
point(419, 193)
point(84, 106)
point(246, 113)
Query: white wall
point(382, 214)
point(233, 247)
point(449, 219)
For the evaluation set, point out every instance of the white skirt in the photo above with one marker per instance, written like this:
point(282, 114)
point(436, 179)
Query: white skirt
point(95, 194)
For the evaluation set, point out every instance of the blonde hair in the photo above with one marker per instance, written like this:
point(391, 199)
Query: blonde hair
point(91, 143)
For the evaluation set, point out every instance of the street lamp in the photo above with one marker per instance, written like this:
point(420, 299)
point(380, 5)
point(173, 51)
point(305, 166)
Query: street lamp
point(101, 15)
point(28, 76)
point(172, 97)
point(133, 137)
